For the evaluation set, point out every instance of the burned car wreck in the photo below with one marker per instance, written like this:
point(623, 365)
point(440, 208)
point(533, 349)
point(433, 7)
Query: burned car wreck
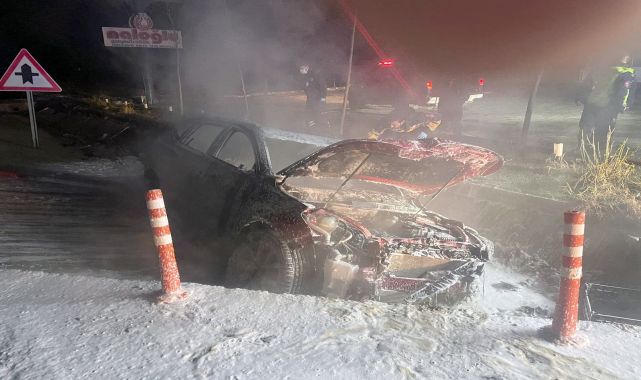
point(348, 220)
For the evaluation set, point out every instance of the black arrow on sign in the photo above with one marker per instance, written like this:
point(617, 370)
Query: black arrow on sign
point(26, 74)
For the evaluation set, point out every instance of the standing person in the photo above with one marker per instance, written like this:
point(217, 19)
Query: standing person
point(316, 92)
point(450, 106)
point(605, 95)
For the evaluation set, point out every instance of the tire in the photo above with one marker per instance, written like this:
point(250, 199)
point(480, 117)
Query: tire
point(263, 261)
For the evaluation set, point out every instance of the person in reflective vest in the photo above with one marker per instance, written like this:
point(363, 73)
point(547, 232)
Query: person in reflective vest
point(605, 94)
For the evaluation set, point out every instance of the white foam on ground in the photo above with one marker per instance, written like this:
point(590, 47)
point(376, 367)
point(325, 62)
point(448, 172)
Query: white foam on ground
point(60, 326)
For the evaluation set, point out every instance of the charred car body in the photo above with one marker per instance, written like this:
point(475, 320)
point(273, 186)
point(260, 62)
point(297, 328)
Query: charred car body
point(346, 221)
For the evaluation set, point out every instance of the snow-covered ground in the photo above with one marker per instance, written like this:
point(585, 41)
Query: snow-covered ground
point(62, 326)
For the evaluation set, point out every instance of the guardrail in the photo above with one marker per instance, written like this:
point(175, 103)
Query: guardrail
point(607, 303)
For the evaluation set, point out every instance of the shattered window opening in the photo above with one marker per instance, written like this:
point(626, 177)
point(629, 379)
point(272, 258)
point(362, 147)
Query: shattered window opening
point(202, 138)
point(283, 152)
point(238, 151)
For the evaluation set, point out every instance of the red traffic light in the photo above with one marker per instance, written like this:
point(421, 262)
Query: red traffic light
point(481, 82)
point(386, 62)
point(428, 84)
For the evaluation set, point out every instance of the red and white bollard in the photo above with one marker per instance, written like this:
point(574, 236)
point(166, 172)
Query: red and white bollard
point(169, 275)
point(566, 314)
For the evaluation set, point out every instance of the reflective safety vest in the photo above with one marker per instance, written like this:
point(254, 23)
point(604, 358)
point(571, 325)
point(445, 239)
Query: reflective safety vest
point(628, 83)
point(623, 69)
point(611, 87)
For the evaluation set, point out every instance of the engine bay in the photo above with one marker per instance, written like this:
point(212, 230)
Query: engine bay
point(377, 243)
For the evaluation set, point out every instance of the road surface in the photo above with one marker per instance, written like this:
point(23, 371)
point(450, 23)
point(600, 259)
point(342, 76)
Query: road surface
point(74, 224)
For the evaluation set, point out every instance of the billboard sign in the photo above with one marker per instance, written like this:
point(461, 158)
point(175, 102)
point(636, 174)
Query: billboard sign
point(141, 38)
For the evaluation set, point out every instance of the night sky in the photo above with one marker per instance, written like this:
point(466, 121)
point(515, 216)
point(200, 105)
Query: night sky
point(503, 34)
point(270, 37)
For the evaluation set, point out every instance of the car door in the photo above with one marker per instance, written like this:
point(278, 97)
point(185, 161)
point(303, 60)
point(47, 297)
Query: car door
point(162, 159)
point(235, 175)
point(192, 157)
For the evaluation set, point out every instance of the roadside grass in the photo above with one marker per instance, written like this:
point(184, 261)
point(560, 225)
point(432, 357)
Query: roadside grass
point(97, 102)
point(606, 180)
point(119, 106)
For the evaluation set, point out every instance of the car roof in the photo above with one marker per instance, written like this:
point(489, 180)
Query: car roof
point(260, 136)
point(220, 121)
point(265, 132)
point(279, 134)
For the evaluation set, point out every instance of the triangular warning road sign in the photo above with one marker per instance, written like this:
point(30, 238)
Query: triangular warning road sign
point(26, 74)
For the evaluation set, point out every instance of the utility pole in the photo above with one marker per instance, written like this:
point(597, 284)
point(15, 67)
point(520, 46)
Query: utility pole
point(349, 77)
point(530, 108)
point(240, 69)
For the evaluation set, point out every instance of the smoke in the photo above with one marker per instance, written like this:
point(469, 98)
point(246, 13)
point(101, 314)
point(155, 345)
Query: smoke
point(266, 41)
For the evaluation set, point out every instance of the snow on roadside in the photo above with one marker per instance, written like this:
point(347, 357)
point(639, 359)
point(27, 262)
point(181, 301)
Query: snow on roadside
point(70, 326)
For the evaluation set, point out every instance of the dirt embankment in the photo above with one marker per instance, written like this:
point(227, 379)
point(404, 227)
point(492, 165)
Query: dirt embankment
point(71, 129)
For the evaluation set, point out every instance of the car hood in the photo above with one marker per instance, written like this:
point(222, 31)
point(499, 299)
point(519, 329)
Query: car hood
point(422, 166)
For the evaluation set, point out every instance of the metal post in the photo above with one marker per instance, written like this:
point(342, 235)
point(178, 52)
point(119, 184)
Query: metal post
point(240, 69)
point(530, 106)
point(32, 120)
point(349, 77)
point(242, 81)
point(180, 87)
point(148, 78)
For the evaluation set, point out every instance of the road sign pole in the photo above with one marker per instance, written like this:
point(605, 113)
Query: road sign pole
point(32, 120)
point(35, 123)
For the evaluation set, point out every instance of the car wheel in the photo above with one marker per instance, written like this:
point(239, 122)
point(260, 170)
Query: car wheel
point(262, 261)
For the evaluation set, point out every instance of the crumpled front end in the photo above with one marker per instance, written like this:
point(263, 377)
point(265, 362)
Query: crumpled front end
point(396, 257)
point(371, 232)
point(417, 279)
